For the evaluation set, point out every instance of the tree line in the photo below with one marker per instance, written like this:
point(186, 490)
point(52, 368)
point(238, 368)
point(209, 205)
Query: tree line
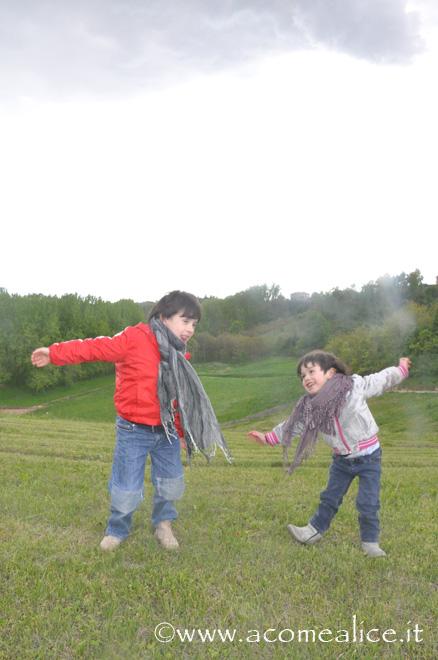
point(27, 322)
point(367, 328)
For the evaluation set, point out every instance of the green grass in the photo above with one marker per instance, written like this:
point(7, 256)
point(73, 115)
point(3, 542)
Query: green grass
point(18, 397)
point(237, 567)
point(237, 391)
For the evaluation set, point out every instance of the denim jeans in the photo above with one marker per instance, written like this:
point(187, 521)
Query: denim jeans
point(133, 444)
point(342, 472)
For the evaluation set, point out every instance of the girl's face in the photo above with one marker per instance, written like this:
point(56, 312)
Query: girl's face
point(313, 377)
point(182, 326)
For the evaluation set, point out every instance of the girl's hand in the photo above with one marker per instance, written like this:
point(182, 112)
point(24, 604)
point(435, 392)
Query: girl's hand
point(258, 437)
point(40, 357)
point(405, 362)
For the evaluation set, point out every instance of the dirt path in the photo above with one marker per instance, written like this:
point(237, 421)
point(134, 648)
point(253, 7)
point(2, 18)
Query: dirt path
point(28, 409)
point(435, 391)
point(21, 411)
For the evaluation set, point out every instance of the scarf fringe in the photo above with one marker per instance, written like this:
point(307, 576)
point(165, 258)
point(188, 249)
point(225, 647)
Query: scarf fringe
point(209, 456)
point(168, 428)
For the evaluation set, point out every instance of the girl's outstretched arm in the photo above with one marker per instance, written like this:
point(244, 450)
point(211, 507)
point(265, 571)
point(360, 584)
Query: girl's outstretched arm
point(272, 438)
point(405, 363)
point(258, 437)
point(382, 381)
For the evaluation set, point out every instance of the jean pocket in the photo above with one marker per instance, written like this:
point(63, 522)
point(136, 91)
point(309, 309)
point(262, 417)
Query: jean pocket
point(376, 456)
point(124, 425)
point(173, 435)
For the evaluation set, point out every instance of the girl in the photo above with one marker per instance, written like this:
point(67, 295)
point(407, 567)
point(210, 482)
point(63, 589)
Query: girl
point(156, 388)
point(335, 406)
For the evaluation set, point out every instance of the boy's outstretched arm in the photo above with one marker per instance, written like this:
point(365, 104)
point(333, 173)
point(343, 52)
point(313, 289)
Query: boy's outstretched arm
point(41, 357)
point(75, 351)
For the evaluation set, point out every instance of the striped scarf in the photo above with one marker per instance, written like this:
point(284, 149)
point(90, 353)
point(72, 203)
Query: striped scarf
point(178, 380)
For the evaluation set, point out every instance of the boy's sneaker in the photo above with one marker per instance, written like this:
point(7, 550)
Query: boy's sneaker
point(164, 535)
point(307, 534)
point(373, 550)
point(109, 543)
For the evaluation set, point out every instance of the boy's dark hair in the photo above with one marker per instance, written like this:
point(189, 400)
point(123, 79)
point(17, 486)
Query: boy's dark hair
point(175, 302)
point(325, 360)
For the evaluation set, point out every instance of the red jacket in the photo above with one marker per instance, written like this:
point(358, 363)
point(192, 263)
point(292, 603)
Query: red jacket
point(136, 356)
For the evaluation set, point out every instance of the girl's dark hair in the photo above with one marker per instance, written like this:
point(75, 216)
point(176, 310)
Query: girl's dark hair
point(325, 360)
point(177, 302)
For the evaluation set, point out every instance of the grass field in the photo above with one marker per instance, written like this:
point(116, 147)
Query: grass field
point(237, 568)
point(237, 391)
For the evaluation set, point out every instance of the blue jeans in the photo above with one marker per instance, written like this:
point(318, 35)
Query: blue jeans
point(342, 473)
point(133, 444)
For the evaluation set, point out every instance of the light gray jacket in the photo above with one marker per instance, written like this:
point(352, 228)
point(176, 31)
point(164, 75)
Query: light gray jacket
point(356, 423)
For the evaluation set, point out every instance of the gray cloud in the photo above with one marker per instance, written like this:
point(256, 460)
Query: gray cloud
point(115, 46)
point(377, 30)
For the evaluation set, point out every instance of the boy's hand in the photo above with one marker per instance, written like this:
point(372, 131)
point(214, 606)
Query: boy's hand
point(40, 357)
point(258, 437)
point(405, 362)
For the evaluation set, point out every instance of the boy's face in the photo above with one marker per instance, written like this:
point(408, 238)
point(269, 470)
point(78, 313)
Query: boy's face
point(313, 377)
point(182, 326)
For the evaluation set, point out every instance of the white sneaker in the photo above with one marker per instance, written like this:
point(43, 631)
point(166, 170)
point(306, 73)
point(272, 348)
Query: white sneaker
point(164, 535)
point(373, 550)
point(109, 543)
point(307, 534)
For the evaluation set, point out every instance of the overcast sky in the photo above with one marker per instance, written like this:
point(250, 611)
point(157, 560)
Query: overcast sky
point(206, 145)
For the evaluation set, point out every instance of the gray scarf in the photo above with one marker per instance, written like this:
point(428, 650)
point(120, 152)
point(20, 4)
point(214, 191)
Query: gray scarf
point(314, 414)
point(178, 380)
